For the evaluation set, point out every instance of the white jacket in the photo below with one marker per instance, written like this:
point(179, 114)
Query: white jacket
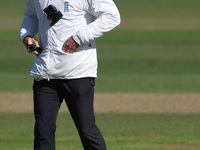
point(85, 20)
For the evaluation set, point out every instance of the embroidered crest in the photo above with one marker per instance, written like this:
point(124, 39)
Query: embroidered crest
point(66, 6)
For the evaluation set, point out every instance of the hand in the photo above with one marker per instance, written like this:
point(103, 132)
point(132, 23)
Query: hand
point(28, 41)
point(70, 46)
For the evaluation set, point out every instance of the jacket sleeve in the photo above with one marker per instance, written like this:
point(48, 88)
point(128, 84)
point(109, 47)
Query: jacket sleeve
point(29, 25)
point(107, 18)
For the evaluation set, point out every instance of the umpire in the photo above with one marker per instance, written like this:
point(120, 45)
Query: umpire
point(65, 63)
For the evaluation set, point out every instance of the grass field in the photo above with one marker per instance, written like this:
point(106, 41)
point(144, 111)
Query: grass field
point(123, 131)
point(154, 52)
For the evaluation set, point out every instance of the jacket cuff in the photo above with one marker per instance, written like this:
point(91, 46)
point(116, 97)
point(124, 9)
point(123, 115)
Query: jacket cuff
point(76, 39)
point(22, 36)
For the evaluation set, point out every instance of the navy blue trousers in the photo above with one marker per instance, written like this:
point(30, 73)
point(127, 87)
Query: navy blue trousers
point(79, 97)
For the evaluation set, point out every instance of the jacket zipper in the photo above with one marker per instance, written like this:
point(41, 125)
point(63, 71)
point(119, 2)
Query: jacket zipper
point(50, 56)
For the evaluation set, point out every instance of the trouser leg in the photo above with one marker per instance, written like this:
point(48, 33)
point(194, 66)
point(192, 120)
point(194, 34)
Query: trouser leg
point(46, 106)
point(80, 104)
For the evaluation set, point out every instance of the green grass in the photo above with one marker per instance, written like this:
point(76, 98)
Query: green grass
point(121, 131)
point(157, 8)
point(143, 37)
point(10, 8)
point(147, 68)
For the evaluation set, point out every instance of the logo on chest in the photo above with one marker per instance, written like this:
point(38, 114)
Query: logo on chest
point(66, 6)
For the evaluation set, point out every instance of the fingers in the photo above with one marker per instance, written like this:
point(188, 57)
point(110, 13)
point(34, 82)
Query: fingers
point(29, 41)
point(70, 46)
point(33, 52)
point(36, 43)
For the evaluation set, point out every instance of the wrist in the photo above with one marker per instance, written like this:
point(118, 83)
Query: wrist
point(25, 40)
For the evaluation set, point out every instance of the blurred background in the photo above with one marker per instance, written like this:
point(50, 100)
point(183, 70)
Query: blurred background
point(147, 90)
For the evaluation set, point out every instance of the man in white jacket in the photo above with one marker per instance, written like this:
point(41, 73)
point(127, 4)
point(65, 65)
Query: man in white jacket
point(65, 63)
